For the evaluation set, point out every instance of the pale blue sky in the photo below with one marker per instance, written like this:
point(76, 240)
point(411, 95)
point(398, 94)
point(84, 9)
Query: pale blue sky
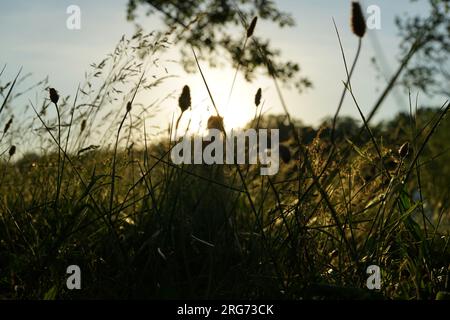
point(34, 35)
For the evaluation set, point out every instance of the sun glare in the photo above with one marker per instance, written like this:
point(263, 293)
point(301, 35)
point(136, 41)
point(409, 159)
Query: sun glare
point(237, 109)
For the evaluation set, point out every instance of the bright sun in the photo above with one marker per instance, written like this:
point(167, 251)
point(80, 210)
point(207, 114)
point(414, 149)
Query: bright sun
point(236, 111)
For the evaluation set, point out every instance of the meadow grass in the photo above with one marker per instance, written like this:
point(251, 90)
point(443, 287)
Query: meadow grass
point(140, 226)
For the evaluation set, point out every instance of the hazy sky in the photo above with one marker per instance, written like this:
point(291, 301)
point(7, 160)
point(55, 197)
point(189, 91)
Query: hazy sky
point(34, 35)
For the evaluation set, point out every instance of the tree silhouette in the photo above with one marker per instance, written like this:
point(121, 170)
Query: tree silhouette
point(217, 29)
point(429, 71)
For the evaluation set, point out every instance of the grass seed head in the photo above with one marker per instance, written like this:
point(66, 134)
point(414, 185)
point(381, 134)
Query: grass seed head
point(83, 125)
point(184, 102)
point(258, 97)
point(7, 126)
point(251, 28)
point(12, 150)
point(54, 96)
point(358, 23)
point(215, 122)
point(404, 150)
